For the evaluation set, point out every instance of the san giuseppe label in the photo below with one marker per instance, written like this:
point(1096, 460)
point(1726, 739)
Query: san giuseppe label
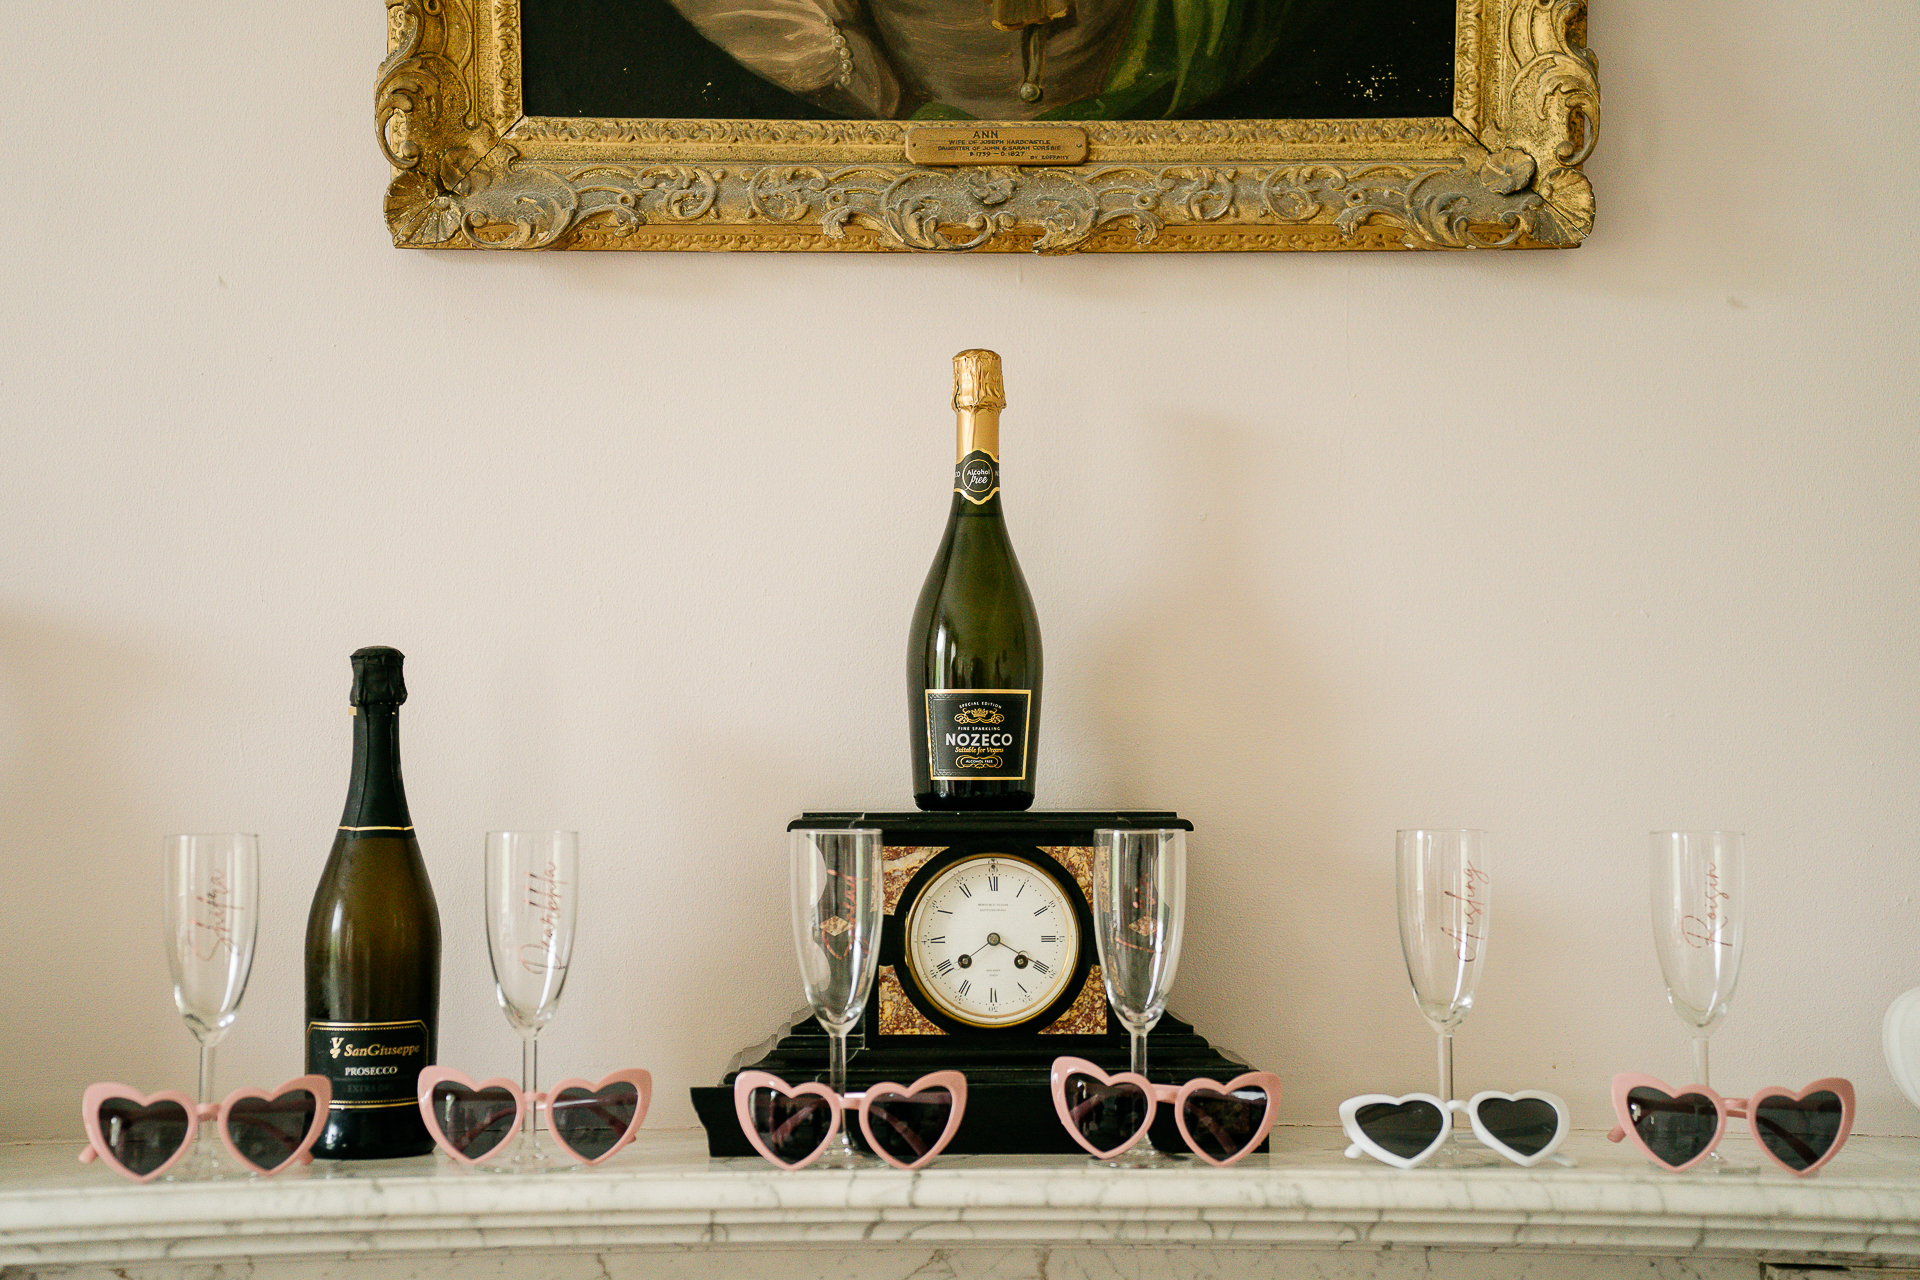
point(977, 476)
point(977, 734)
point(370, 1064)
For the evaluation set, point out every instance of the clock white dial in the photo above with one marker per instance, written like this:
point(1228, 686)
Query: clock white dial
point(993, 940)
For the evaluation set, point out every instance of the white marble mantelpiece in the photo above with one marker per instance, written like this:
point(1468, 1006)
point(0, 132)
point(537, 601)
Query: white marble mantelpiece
point(1004, 1216)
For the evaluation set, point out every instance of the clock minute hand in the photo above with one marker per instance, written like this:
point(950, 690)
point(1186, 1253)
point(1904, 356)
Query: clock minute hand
point(1020, 958)
point(966, 957)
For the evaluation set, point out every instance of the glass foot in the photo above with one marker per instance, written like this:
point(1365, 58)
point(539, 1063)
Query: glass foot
point(847, 1158)
point(530, 1156)
point(1461, 1152)
point(202, 1165)
point(1714, 1165)
point(527, 1162)
point(1141, 1155)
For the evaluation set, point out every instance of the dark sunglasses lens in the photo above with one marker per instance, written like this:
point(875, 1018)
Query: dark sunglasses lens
point(1524, 1125)
point(267, 1131)
point(1801, 1132)
point(792, 1127)
point(1106, 1115)
point(906, 1126)
point(591, 1122)
point(1676, 1130)
point(1403, 1128)
point(142, 1138)
point(1223, 1124)
point(473, 1122)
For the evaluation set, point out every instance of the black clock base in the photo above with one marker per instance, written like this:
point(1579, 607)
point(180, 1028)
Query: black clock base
point(1009, 1101)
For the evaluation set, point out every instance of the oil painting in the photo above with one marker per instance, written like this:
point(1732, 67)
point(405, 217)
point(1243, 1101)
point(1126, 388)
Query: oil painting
point(816, 125)
point(1001, 60)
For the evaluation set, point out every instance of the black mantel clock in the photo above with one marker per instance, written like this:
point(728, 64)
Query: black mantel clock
point(988, 965)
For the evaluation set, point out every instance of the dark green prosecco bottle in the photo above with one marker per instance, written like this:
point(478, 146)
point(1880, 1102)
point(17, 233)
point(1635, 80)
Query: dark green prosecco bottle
point(973, 656)
point(373, 943)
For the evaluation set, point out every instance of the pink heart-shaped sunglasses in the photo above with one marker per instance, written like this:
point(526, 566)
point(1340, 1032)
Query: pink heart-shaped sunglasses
point(905, 1125)
point(143, 1135)
point(1108, 1114)
point(471, 1120)
point(1679, 1128)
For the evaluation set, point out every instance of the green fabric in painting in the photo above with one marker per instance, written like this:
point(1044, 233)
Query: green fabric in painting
point(1177, 55)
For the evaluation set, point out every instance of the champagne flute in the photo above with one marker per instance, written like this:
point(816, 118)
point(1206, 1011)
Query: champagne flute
point(836, 890)
point(533, 880)
point(212, 895)
point(1445, 897)
point(1698, 894)
point(1139, 911)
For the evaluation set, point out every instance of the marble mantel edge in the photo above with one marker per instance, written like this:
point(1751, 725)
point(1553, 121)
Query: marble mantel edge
point(667, 1194)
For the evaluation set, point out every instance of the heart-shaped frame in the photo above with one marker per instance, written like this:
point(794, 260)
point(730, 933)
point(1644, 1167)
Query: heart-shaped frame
point(1065, 1067)
point(1626, 1082)
point(1361, 1143)
point(97, 1095)
point(747, 1081)
point(432, 1077)
point(1266, 1081)
point(1563, 1122)
point(321, 1090)
point(1841, 1089)
point(952, 1081)
point(642, 1082)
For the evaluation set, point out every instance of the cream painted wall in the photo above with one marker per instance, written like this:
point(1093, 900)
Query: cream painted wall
point(1568, 546)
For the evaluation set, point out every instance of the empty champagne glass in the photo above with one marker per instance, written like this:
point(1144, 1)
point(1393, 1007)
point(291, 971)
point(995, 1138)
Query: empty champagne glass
point(836, 895)
point(1698, 894)
point(1139, 911)
point(1445, 896)
point(212, 895)
point(533, 882)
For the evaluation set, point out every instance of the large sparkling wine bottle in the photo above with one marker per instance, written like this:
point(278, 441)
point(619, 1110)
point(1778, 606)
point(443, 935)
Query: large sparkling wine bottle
point(373, 943)
point(973, 658)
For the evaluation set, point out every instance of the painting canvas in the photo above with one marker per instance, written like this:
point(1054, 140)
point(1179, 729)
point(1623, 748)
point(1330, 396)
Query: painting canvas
point(1011, 60)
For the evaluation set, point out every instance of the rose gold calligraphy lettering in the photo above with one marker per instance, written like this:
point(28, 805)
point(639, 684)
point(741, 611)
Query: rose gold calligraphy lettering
point(1473, 906)
point(213, 924)
point(544, 890)
point(838, 942)
point(1142, 906)
point(1698, 932)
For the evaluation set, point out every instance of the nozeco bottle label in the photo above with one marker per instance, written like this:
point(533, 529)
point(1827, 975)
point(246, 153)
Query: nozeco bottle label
point(369, 1064)
point(977, 734)
point(976, 477)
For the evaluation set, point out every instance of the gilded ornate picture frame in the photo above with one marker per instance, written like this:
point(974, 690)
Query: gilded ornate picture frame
point(473, 170)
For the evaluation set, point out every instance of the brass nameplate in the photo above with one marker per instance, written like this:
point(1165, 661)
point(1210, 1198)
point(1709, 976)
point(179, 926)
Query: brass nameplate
point(996, 144)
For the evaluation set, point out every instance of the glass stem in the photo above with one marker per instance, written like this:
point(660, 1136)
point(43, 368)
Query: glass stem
point(203, 1144)
point(1137, 1050)
point(837, 1081)
point(530, 1085)
point(1446, 1067)
point(1700, 1060)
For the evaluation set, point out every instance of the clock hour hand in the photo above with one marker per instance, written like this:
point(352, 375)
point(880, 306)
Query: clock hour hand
point(1020, 958)
point(993, 940)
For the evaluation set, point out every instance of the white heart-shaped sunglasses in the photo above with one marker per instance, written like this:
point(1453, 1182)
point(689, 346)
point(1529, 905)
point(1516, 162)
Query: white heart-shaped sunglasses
point(1525, 1127)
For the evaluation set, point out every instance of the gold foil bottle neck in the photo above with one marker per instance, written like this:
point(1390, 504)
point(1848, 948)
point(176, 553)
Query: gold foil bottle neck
point(976, 381)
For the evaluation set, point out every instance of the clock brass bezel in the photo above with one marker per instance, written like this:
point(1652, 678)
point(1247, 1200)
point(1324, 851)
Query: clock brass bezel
point(927, 1003)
